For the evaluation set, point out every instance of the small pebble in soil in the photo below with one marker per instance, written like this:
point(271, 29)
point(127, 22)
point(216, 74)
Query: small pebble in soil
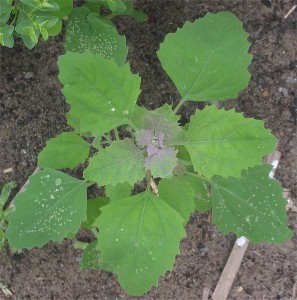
point(283, 91)
point(29, 75)
point(202, 249)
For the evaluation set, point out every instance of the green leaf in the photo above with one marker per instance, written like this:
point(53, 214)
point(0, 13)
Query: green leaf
point(208, 59)
point(53, 205)
point(67, 150)
point(86, 32)
point(116, 6)
point(56, 29)
point(224, 142)
point(122, 161)
point(66, 7)
point(179, 194)
point(162, 163)
point(202, 199)
point(5, 10)
point(139, 238)
point(119, 191)
point(93, 211)
point(5, 191)
point(252, 206)
point(162, 119)
point(92, 259)
point(102, 95)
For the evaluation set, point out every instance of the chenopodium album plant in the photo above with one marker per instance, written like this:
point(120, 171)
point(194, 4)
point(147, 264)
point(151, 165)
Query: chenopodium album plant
point(212, 163)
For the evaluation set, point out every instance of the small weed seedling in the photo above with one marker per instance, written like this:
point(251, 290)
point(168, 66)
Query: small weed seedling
point(4, 212)
point(212, 163)
point(30, 19)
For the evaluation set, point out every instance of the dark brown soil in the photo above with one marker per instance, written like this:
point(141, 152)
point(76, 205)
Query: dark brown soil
point(32, 109)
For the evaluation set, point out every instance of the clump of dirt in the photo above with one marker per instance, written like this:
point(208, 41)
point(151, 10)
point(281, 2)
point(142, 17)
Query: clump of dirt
point(32, 110)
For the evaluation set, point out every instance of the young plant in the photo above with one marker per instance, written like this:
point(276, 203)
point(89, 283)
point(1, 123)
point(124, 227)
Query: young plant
point(4, 212)
point(30, 19)
point(212, 163)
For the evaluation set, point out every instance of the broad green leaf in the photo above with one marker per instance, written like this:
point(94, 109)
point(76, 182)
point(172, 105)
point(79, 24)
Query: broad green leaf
point(163, 120)
point(52, 206)
point(139, 238)
point(224, 142)
point(179, 194)
point(65, 8)
point(119, 191)
point(93, 211)
point(56, 29)
point(162, 163)
point(102, 95)
point(208, 59)
point(5, 10)
point(67, 150)
point(251, 206)
point(202, 198)
point(122, 161)
point(86, 32)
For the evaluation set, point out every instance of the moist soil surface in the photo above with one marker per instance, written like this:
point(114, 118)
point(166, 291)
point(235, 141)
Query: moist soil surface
point(32, 110)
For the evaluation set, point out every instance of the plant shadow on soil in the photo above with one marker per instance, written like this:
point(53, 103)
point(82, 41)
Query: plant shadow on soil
point(32, 110)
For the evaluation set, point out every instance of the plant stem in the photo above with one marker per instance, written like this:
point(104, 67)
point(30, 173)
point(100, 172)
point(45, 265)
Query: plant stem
point(116, 133)
point(107, 137)
point(181, 102)
point(90, 183)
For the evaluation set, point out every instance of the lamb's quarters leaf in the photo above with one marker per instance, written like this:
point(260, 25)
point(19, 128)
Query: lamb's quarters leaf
point(179, 194)
point(52, 206)
point(119, 191)
point(67, 150)
point(202, 198)
point(251, 206)
point(139, 237)
point(122, 161)
point(93, 211)
point(102, 95)
point(224, 142)
point(162, 163)
point(86, 32)
point(65, 8)
point(136, 116)
point(207, 60)
point(91, 258)
point(163, 120)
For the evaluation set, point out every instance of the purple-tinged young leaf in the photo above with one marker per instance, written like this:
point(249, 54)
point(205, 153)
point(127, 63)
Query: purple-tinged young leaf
point(144, 137)
point(151, 150)
point(160, 137)
point(162, 163)
point(163, 121)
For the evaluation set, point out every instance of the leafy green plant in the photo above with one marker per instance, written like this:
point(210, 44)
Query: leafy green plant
point(212, 163)
point(4, 212)
point(30, 19)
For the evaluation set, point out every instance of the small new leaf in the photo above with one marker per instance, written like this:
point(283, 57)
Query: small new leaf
point(139, 238)
point(67, 150)
point(251, 206)
point(162, 162)
point(53, 206)
point(122, 161)
point(224, 142)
